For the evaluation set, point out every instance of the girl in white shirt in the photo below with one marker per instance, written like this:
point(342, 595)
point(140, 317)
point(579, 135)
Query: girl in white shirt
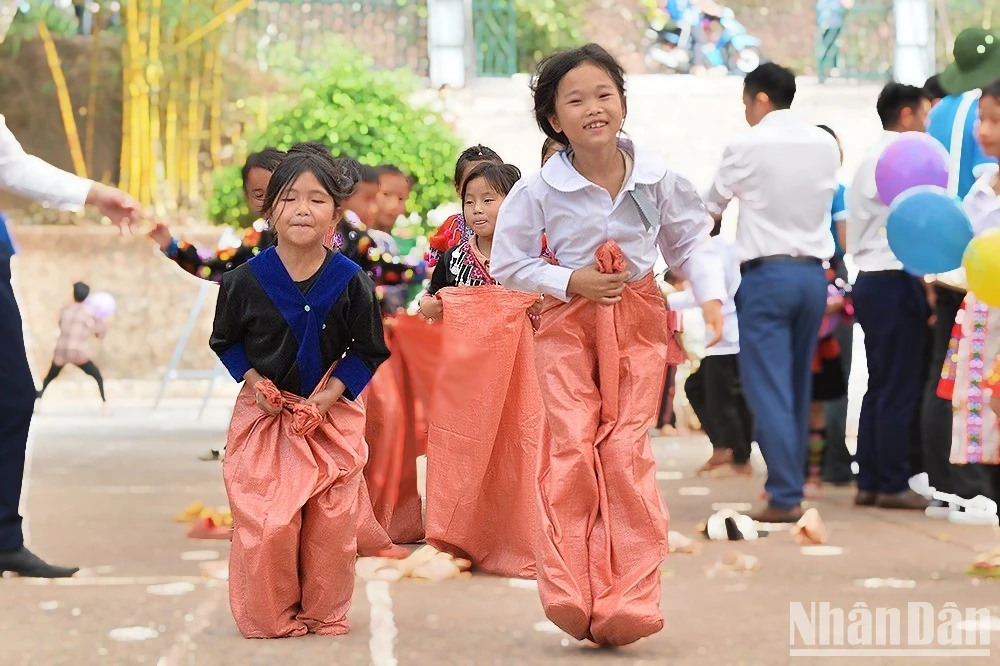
point(604, 206)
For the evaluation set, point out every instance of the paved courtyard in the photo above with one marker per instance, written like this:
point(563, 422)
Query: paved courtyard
point(104, 491)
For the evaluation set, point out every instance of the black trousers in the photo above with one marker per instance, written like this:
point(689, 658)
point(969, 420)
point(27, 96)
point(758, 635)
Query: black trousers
point(836, 457)
point(891, 307)
point(716, 395)
point(17, 401)
point(88, 368)
point(666, 417)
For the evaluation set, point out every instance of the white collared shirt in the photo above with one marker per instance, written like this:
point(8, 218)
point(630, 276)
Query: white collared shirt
point(784, 172)
point(982, 204)
point(685, 300)
point(867, 242)
point(35, 179)
point(577, 217)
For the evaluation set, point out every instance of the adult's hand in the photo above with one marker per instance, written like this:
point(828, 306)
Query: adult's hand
point(114, 204)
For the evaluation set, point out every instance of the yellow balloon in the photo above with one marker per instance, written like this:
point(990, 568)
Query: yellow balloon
point(982, 267)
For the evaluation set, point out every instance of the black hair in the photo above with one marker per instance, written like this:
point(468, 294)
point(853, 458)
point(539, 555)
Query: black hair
point(775, 81)
point(894, 98)
point(549, 145)
point(933, 89)
point(552, 70)
point(351, 169)
point(993, 90)
point(267, 159)
point(828, 130)
point(392, 170)
point(473, 155)
point(331, 175)
point(500, 177)
point(368, 174)
point(80, 292)
point(314, 147)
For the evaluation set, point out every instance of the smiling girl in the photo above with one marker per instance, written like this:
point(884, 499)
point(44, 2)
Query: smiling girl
point(299, 325)
point(605, 207)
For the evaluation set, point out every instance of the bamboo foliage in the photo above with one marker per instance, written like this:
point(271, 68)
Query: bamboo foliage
point(172, 104)
point(65, 104)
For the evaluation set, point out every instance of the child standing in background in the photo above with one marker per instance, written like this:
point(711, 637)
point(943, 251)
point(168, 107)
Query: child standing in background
point(724, 414)
point(77, 327)
point(454, 230)
point(604, 206)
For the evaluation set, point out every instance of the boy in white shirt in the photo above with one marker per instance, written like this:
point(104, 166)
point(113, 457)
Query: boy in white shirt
point(724, 413)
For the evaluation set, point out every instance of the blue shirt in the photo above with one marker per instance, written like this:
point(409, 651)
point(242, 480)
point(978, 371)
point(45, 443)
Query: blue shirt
point(967, 156)
point(6, 242)
point(830, 13)
point(838, 213)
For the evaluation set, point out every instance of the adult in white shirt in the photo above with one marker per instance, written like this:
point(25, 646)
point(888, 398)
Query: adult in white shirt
point(891, 306)
point(784, 172)
point(31, 178)
point(723, 411)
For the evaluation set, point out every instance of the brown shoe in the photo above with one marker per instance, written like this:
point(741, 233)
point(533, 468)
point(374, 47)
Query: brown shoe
point(865, 498)
point(904, 500)
point(772, 514)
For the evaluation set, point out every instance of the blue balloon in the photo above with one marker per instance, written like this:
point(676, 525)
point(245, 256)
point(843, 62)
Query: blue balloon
point(928, 230)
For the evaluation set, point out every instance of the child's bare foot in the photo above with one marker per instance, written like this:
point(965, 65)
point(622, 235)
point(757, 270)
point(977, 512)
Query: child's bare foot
point(813, 488)
point(720, 458)
point(742, 469)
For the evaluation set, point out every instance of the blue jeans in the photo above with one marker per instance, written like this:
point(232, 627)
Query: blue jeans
point(780, 306)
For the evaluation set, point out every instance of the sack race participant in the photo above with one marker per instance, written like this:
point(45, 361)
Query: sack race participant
point(482, 446)
point(297, 320)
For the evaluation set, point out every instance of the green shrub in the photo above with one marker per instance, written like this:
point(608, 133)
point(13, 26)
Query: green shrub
point(544, 26)
point(360, 113)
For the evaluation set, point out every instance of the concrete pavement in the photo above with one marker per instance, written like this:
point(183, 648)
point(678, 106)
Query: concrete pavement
point(103, 493)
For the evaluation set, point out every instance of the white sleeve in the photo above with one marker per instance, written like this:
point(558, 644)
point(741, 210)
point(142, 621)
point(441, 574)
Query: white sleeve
point(858, 195)
point(681, 300)
point(685, 238)
point(723, 189)
point(515, 260)
point(35, 179)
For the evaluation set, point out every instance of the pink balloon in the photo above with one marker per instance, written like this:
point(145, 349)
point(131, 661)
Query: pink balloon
point(912, 160)
point(101, 304)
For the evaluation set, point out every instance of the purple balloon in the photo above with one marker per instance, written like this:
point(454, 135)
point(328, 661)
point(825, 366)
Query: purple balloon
point(912, 160)
point(101, 304)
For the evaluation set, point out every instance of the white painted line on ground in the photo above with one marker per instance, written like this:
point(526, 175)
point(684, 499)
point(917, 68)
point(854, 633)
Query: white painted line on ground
point(663, 475)
point(382, 624)
point(133, 634)
point(821, 551)
point(522, 584)
point(171, 589)
point(122, 581)
point(200, 555)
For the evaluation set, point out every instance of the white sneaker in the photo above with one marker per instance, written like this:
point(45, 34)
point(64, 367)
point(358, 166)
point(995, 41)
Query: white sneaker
point(960, 517)
point(939, 509)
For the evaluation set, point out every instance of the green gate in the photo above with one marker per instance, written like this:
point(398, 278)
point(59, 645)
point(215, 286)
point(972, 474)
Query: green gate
point(494, 29)
point(861, 47)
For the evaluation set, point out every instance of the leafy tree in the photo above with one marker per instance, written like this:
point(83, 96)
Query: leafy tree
point(361, 113)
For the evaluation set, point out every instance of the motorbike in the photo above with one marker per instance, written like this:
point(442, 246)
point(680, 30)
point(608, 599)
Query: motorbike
point(672, 48)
